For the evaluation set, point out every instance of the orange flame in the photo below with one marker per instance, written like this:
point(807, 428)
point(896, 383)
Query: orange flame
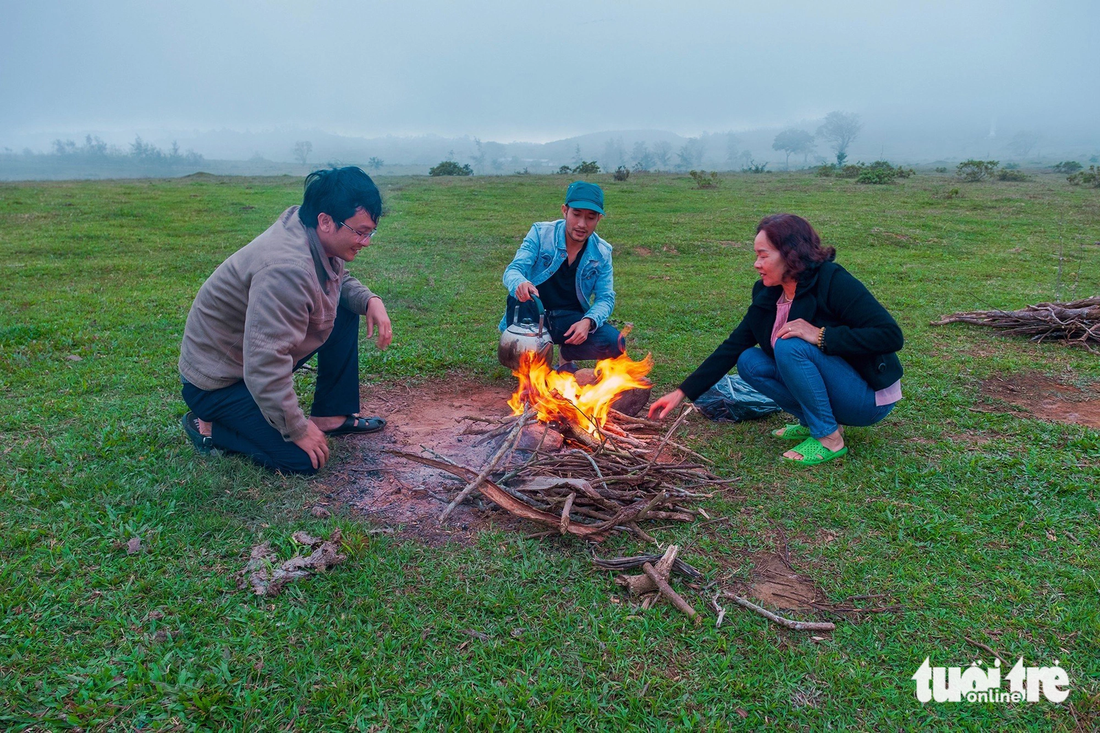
point(559, 398)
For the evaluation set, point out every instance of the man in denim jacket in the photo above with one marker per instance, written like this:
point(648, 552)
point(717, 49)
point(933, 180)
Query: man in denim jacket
point(567, 266)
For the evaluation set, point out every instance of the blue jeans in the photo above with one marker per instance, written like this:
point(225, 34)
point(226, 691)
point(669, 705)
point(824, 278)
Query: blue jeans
point(240, 427)
point(604, 343)
point(822, 391)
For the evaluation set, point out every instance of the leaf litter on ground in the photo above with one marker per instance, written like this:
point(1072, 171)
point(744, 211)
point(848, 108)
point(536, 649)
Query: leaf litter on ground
point(265, 579)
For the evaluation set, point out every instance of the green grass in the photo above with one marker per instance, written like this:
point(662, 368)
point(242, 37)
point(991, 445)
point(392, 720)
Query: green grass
point(995, 540)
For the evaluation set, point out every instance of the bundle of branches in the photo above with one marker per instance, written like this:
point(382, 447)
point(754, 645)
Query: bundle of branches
point(597, 484)
point(1076, 322)
point(654, 584)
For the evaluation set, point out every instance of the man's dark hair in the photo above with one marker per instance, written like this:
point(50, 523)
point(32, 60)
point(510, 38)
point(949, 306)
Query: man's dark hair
point(339, 192)
point(797, 242)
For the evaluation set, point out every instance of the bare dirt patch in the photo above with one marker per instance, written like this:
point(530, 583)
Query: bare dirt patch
point(392, 490)
point(1045, 398)
point(779, 586)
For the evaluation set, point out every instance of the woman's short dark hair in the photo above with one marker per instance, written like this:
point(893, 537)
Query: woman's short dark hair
point(797, 242)
point(339, 192)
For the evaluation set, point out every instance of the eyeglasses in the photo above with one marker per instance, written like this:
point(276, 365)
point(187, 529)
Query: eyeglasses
point(358, 234)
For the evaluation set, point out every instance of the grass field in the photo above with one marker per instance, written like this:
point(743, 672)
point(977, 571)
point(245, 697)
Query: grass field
point(978, 524)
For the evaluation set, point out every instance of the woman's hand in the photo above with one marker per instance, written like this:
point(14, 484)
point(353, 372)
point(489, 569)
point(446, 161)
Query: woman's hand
point(802, 329)
point(662, 407)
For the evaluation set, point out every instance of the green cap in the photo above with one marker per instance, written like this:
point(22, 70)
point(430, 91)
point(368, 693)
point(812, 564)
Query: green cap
point(583, 195)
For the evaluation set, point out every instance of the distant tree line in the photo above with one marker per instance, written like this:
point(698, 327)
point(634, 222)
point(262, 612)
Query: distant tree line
point(94, 151)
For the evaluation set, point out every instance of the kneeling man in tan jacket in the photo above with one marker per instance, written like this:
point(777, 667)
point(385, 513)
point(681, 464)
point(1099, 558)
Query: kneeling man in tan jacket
point(266, 310)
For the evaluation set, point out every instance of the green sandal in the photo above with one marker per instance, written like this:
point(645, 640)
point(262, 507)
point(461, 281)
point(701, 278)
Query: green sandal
point(813, 453)
point(794, 431)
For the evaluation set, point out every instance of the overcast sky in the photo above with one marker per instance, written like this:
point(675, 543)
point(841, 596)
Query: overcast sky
point(530, 70)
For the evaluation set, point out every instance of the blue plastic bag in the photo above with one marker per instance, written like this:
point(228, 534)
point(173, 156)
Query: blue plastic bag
point(733, 400)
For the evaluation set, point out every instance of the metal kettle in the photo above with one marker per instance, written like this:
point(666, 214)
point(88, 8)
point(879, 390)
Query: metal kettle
point(525, 335)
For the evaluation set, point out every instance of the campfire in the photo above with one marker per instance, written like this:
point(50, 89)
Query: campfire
point(558, 397)
point(568, 459)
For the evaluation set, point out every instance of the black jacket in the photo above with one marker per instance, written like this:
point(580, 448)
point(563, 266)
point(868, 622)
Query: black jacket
point(857, 328)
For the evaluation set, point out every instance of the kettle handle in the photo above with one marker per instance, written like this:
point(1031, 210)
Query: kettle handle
point(542, 313)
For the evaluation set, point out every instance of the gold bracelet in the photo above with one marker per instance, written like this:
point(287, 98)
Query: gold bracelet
point(821, 339)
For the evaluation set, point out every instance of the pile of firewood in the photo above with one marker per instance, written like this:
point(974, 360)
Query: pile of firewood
point(1076, 322)
point(630, 471)
point(655, 583)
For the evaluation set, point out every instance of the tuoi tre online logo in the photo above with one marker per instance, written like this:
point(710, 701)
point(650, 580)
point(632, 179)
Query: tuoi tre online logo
point(974, 684)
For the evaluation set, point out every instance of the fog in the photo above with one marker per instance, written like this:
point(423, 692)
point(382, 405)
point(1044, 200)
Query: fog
point(413, 81)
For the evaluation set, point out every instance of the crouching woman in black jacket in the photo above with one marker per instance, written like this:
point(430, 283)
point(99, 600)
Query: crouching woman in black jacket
point(814, 340)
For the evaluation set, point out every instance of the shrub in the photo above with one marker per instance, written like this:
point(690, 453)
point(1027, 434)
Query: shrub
point(879, 172)
point(826, 170)
point(752, 167)
point(1008, 174)
point(941, 169)
point(705, 180)
point(451, 168)
point(565, 169)
point(1091, 177)
point(587, 167)
point(1068, 166)
point(973, 171)
point(621, 173)
point(849, 171)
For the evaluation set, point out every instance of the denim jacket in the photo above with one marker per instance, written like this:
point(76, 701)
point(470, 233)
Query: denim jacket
point(540, 256)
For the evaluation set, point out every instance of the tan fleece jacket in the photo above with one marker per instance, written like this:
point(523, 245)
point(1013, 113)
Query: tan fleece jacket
point(269, 305)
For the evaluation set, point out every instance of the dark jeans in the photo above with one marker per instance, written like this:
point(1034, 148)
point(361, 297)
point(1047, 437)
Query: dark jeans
point(604, 343)
point(240, 427)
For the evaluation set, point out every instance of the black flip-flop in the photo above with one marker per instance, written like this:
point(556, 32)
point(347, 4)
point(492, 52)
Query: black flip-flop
point(203, 443)
point(358, 425)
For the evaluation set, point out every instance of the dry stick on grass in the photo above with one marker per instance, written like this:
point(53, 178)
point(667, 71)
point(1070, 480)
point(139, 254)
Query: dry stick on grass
point(641, 533)
point(505, 448)
point(689, 451)
point(639, 585)
point(789, 623)
point(671, 595)
point(988, 649)
point(719, 610)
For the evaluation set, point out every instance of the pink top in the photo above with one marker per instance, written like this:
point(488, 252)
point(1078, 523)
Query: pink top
point(887, 396)
point(782, 310)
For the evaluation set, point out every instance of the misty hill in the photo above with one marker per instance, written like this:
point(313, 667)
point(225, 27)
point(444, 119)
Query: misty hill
point(273, 151)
